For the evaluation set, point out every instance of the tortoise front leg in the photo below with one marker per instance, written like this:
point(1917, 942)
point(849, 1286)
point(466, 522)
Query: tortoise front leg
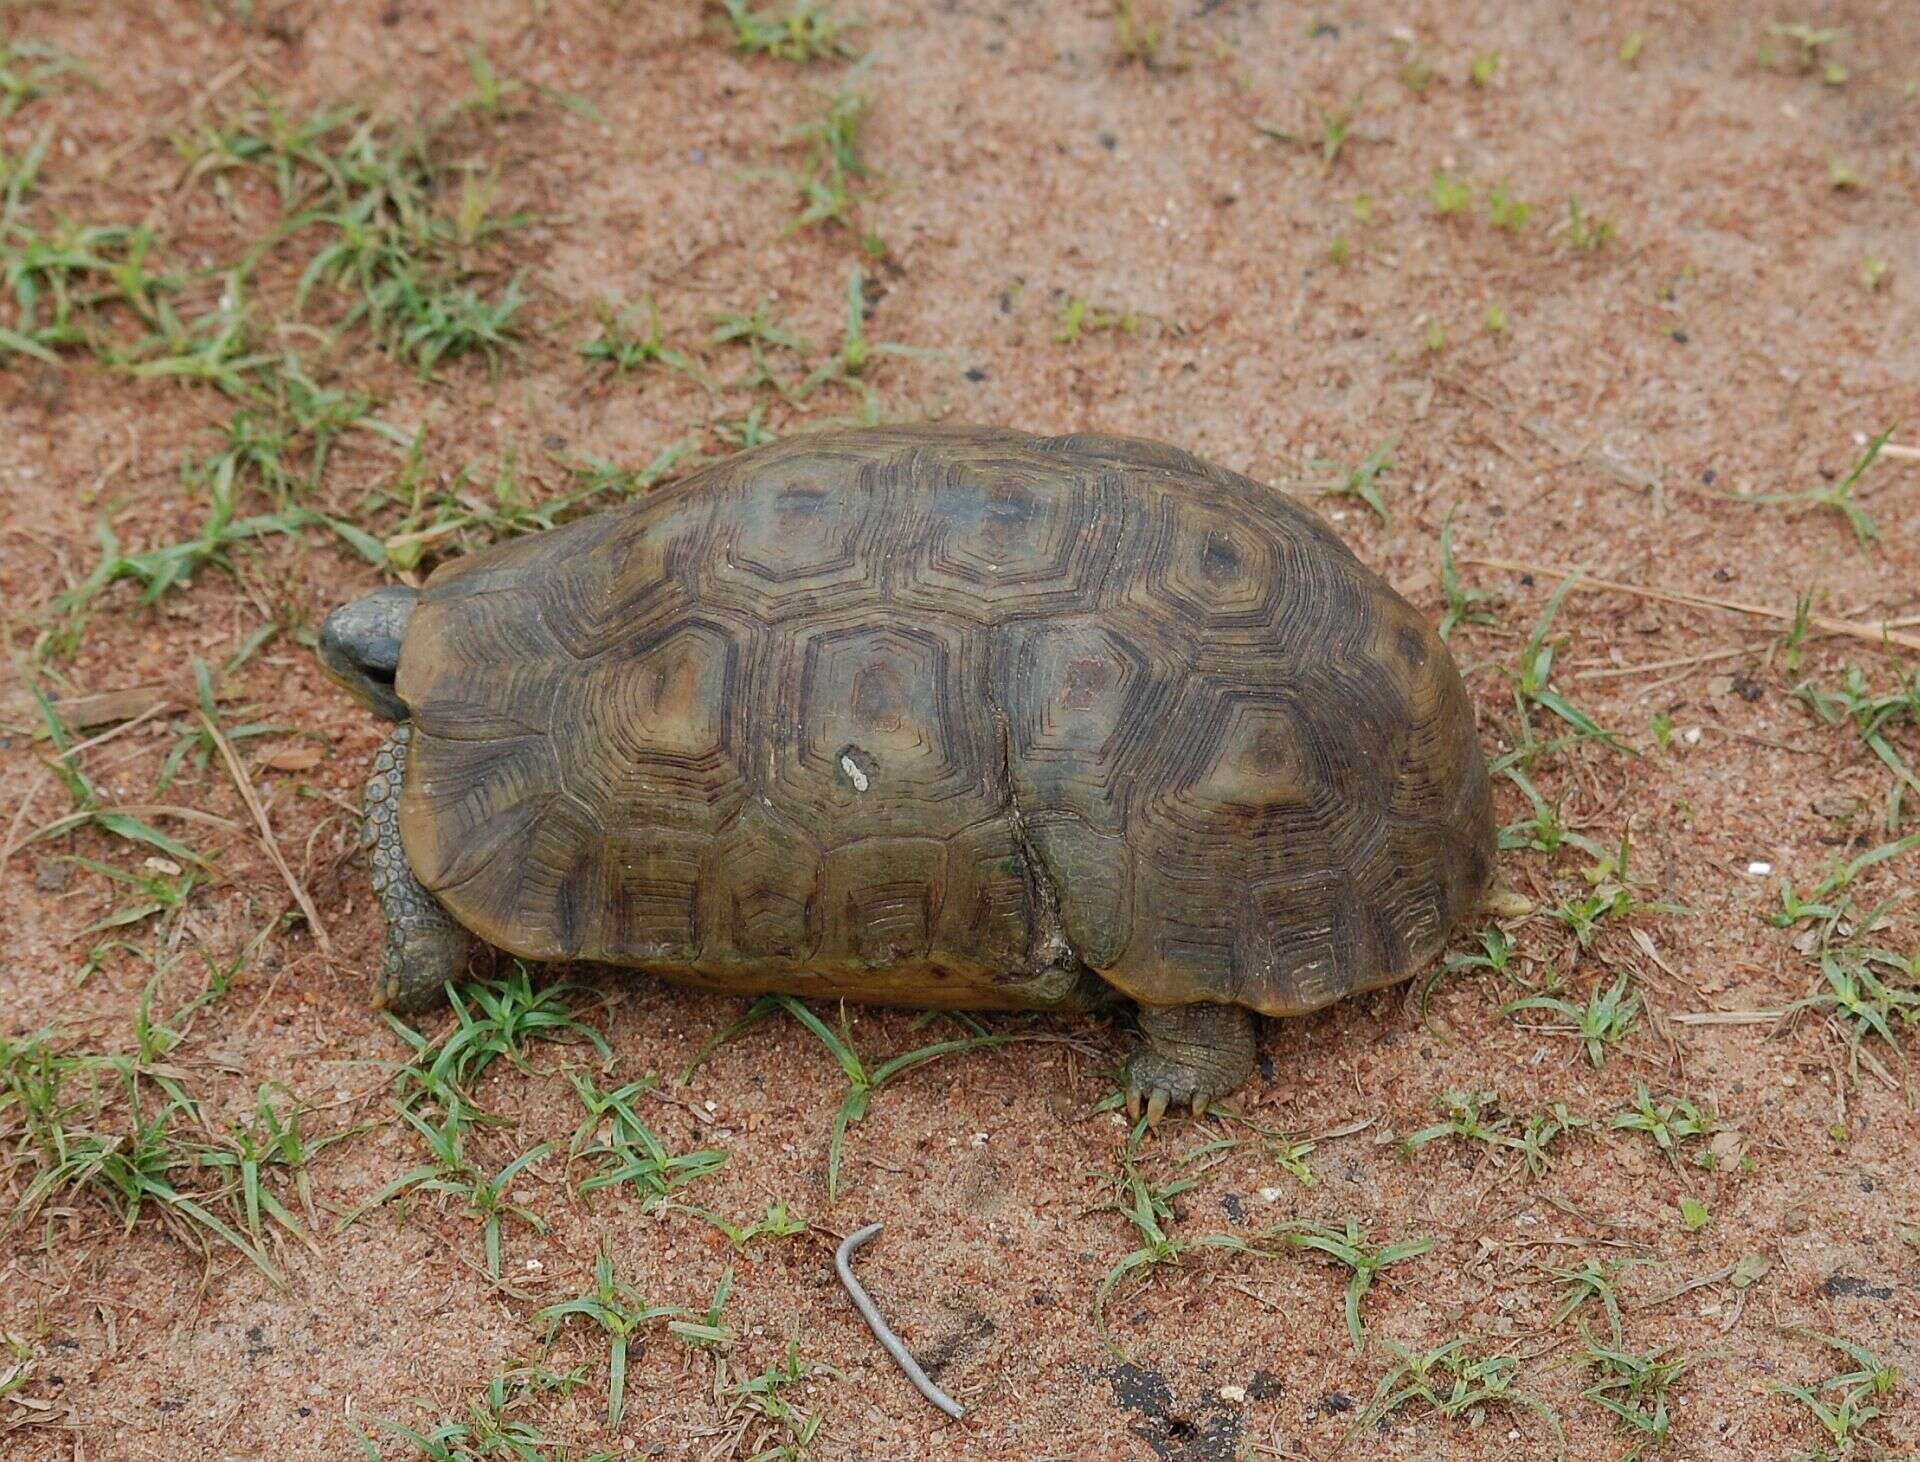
point(424, 947)
point(1188, 1054)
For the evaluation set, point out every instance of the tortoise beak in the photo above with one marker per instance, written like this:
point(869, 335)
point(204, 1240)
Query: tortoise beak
point(360, 647)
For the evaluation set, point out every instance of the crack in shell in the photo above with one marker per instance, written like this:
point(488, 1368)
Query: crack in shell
point(1048, 948)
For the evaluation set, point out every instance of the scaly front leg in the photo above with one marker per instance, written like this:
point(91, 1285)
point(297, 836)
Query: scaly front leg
point(425, 948)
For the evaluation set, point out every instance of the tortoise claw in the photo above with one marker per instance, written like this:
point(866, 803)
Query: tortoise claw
point(1157, 1106)
point(1190, 1055)
point(1153, 1099)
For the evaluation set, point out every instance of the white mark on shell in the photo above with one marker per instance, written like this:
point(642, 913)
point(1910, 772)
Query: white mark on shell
point(856, 773)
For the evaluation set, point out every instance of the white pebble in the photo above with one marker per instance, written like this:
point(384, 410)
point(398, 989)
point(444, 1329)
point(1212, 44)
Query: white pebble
point(1759, 868)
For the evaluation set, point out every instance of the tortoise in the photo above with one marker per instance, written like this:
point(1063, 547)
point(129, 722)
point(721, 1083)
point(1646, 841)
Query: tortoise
point(949, 717)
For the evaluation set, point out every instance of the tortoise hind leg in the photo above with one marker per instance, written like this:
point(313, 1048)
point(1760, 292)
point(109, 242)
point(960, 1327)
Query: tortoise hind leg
point(424, 947)
point(1188, 1054)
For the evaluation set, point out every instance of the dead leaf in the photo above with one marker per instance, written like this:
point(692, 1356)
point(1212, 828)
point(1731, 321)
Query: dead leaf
point(291, 759)
point(104, 708)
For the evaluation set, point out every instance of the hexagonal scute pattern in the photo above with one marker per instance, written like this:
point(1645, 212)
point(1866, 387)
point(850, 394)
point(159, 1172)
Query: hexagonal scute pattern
point(926, 714)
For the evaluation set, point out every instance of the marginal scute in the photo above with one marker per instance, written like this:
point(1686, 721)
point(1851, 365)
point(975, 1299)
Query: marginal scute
point(991, 900)
point(1091, 873)
point(946, 715)
point(759, 892)
point(878, 901)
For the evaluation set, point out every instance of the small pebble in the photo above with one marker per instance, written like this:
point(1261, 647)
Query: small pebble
point(1759, 868)
point(1233, 1394)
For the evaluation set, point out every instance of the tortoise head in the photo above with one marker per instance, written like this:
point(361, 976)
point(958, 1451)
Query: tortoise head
point(360, 647)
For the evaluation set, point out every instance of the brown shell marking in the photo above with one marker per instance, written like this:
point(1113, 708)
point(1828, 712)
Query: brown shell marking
point(923, 714)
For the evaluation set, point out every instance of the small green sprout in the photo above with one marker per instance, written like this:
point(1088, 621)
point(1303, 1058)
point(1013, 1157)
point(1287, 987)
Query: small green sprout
point(1838, 498)
point(624, 1149)
point(857, 355)
point(1670, 1123)
point(1332, 129)
point(1634, 1387)
point(1466, 1384)
point(862, 1081)
point(1874, 715)
point(1507, 211)
point(1349, 1246)
point(1602, 1022)
point(620, 351)
point(767, 1394)
point(451, 1173)
point(807, 32)
point(620, 1311)
point(1460, 600)
point(1137, 38)
point(1078, 317)
point(1590, 1280)
point(1149, 1208)
point(1449, 195)
point(1804, 45)
point(1843, 1420)
point(1362, 481)
point(1586, 232)
point(1533, 682)
point(1472, 1116)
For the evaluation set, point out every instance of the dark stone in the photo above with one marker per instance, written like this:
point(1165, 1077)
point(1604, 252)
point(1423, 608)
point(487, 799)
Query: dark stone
point(1211, 1433)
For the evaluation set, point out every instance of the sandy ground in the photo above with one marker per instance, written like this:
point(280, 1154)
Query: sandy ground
point(1750, 323)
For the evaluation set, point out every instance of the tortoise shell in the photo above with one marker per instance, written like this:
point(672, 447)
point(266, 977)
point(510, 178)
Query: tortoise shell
point(935, 715)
